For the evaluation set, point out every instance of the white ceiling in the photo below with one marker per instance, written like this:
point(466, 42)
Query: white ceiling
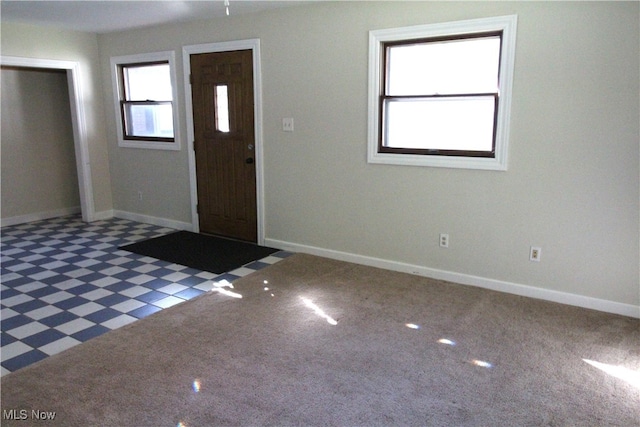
point(99, 16)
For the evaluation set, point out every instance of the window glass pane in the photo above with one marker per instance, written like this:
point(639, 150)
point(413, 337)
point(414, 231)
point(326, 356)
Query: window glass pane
point(149, 120)
point(222, 108)
point(463, 66)
point(147, 82)
point(440, 123)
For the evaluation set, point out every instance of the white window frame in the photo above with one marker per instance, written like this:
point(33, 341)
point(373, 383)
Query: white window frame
point(506, 24)
point(116, 62)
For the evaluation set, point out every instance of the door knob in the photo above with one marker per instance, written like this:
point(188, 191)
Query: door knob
point(249, 160)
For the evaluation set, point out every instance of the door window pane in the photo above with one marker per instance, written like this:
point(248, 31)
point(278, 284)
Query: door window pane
point(222, 108)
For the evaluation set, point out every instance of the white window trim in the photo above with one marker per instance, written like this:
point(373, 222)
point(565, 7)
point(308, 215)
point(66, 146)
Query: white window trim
point(508, 25)
point(146, 57)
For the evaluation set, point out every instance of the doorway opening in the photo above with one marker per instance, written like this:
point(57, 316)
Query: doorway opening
point(77, 122)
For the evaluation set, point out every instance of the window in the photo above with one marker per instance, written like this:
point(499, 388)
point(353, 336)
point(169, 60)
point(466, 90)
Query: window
point(144, 93)
point(440, 94)
point(147, 111)
point(222, 109)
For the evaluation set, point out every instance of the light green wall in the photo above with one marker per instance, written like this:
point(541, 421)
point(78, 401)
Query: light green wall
point(573, 181)
point(572, 186)
point(38, 161)
point(46, 43)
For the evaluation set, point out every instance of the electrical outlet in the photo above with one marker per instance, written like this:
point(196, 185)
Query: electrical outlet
point(287, 124)
point(444, 240)
point(140, 195)
point(535, 253)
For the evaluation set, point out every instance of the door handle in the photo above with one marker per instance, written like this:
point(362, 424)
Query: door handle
point(249, 160)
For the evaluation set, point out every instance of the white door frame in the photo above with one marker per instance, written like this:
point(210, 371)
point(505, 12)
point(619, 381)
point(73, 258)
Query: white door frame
point(78, 123)
point(254, 46)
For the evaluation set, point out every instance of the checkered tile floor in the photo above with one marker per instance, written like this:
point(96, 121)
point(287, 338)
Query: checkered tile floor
point(64, 282)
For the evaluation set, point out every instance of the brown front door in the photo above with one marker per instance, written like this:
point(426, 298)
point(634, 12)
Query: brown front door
point(222, 93)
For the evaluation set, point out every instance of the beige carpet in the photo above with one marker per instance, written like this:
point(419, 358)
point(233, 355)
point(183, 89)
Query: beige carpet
point(331, 343)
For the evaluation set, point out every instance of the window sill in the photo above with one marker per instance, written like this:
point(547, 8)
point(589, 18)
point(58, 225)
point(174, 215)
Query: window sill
point(150, 145)
point(482, 163)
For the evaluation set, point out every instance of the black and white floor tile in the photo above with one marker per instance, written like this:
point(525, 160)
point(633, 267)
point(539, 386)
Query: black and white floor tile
point(64, 281)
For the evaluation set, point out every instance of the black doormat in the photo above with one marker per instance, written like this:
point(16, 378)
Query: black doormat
point(207, 253)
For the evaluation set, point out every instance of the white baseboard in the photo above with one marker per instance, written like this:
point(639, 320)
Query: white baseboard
point(101, 216)
point(465, 279)
point(147, 219)
point(39, 216)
